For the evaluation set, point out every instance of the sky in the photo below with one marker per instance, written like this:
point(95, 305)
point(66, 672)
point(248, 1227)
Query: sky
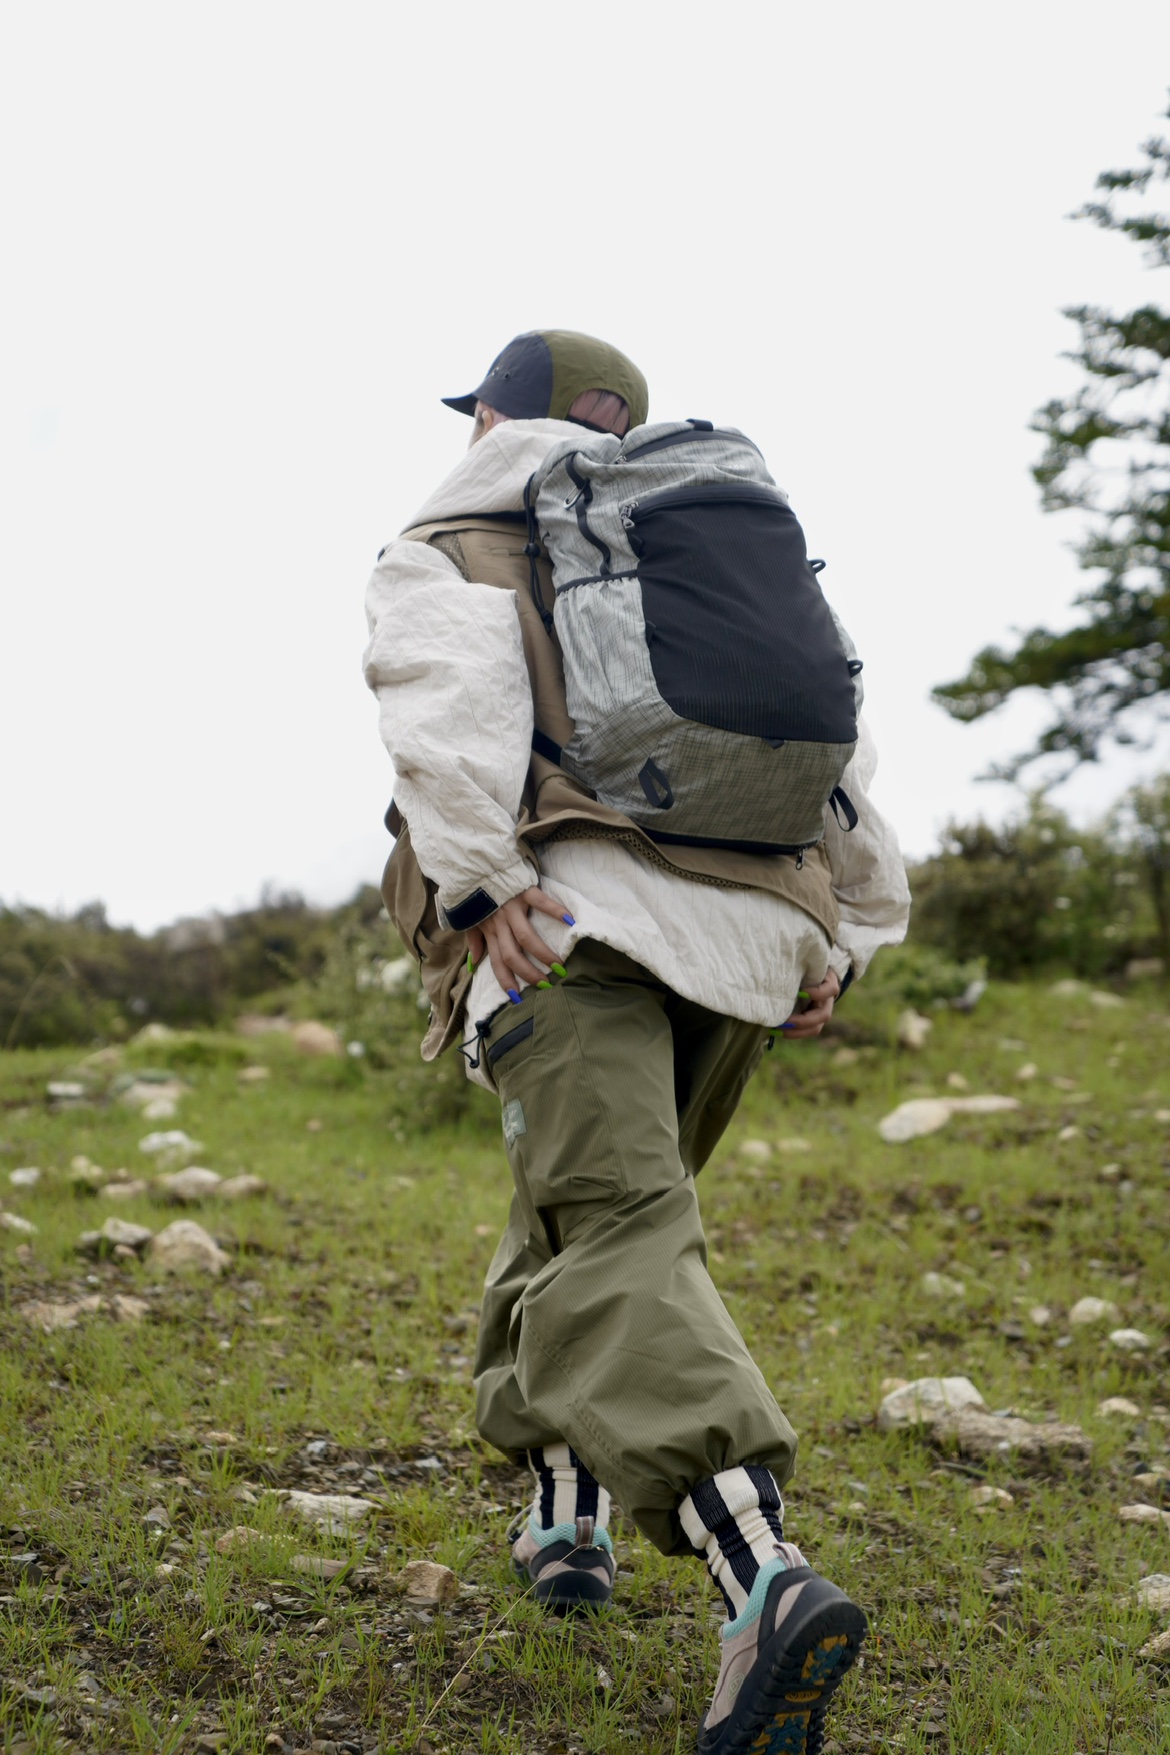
point(249, 246)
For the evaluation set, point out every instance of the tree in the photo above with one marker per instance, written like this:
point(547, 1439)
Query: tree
point(1107, 454)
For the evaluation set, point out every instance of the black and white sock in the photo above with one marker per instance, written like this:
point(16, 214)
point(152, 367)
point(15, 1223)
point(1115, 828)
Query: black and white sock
point(570, 1505)
point(736, 1520)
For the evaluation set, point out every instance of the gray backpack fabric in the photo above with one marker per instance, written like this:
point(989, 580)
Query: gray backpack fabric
point(713, 693)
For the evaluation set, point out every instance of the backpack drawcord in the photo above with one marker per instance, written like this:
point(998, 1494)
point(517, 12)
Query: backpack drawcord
point(532, 550)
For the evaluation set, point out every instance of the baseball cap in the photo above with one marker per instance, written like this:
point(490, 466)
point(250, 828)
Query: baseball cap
point(541, 374)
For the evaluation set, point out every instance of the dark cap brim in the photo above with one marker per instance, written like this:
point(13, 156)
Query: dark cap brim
point(461, 404)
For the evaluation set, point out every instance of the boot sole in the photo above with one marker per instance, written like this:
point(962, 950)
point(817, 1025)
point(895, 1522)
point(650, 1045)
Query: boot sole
point(569, 1593)
point(791, 1683)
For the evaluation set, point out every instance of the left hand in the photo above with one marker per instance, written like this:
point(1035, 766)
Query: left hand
point(818, 1010)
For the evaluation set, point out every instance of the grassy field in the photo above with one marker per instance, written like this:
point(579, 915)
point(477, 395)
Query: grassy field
point(333, 1354)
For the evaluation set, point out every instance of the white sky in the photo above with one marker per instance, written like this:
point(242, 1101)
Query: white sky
point(248, 246)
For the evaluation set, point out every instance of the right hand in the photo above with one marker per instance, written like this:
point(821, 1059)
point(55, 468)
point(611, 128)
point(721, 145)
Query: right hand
point(513, 944)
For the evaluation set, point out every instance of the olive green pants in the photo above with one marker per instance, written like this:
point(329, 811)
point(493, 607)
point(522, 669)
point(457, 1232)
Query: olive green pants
point(600, 1324)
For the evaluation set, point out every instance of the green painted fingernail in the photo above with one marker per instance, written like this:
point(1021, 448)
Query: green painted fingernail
point(470, 962)
point(559, 969)
point(801, 994)
point(547, 984)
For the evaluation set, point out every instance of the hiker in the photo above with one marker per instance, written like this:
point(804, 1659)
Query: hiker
point(617, 989)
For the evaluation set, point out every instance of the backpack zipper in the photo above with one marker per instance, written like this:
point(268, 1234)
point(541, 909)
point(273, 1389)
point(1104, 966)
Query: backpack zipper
point(669, 439)
point(751, 492)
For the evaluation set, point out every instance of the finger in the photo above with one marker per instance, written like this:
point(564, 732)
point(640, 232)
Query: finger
point(476, 945)
point(546, 904)
point(513, 958)
point(529, 940)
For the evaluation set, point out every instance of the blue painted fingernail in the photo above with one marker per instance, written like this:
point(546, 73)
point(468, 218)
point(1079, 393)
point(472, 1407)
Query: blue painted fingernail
point(788, 1026)
point(568, 920)
point(515, 997)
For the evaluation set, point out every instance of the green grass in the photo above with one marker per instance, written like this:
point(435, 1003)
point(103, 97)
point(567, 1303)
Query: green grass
point(348, 1315)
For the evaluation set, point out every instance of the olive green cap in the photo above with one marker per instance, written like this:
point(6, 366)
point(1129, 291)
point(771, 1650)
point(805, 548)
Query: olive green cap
point(540, 375)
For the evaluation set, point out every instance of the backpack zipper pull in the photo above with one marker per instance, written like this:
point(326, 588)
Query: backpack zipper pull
point(800, 860)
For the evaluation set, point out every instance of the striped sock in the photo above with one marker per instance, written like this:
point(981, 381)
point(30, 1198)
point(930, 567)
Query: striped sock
point(570, 1505)
point(735, 1519)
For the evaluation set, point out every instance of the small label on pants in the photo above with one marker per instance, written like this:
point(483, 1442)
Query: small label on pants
point(514, 1122)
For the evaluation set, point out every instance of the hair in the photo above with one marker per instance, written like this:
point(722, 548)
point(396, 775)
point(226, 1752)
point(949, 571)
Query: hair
point(604, 409)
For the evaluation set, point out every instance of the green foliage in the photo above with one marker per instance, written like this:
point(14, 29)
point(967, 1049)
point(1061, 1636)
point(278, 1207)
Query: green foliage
point(1032, 894)
point(1107, 455)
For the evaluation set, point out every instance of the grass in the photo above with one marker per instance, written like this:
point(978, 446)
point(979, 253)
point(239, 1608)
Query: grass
point(333, 1355)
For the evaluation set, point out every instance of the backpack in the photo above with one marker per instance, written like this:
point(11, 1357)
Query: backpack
point(713, 692)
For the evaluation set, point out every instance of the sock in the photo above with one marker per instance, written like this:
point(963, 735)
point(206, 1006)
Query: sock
point(735, 1519)
point(570, 1505)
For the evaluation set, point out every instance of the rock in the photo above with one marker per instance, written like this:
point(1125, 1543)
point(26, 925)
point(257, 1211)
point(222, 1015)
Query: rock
point(144, 1093)
point(160, 1109)
point(890, 1384)
point(846, 1057)
point(50, 1316)
point(1027, 1071)
point(1109, 1172)
point(1130, 1340)
point(130, 1189)
point(113, 1232)
point(988, 1104)
point(239, 1537)
point(956, 1082)
point(926, 1401)
point(988, 1498)
point(1118, 1407)
point(186, 1188)
point(1060, 1083)
point(242, 1187)
point(1087, 1310)
point(1143, 1514)
point(26, 1177)
point(185, 1244)
point(334, 1512)
point(1071, 1132)
point(318, 1566)
point(914, 1119)
point(1068, 987)
point(253, 1075)
point(157, 1518)
point(794, 1145)
point(14, 1222)
point(979, 1435)
point(758, 1151)
point(254, 1024)
point(1157, 1649)
point(1106, 1001)
point(173, 1147)
point(1154, 1484)
point(66, 1091)
point(970, 996)
point(128, 1309)
point(1144, 968)
point(84, 1177)
point(1162, 1115)
point(912, 1030)
point(425, 1584)
point(312, 1037)
point(1040, 1314)
point(942, 1286)
point(1153, 1592)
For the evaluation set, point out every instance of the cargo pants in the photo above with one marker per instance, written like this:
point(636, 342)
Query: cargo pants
point(600, 1324)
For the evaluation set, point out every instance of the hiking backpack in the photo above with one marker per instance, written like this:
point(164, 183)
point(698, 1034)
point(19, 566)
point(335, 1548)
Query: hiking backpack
point(713, 692)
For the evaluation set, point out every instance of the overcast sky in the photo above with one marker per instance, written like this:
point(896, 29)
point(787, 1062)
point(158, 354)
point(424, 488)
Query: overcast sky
point(247, 247)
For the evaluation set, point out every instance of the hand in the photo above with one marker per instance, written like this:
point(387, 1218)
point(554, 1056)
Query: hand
point(819, 1010)
point(515, 947)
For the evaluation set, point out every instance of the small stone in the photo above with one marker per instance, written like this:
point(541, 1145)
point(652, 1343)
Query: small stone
point(988, 1104)
point(1027, 1071)
point(1144, 1514)
point(1162, 1115)
point(890, 1384)
point(1087, 1310)
point(914, 1119)
point(188, 1187)
point(184, 1244)
point(1060, 1083)
point(1106, 1001)
point(253, 1075)
point(1109, 1172)
point(794, 1145)
point(988, 1498)
point(312, 1037)
point(979, 1435)
point(426, 1585)
point(846, 1057)
point(128, 1309)
point(50, 1316)
point(1066, 988)
point(758, 1151)
point(1154, 1484)
point(26, 1177)
point(173, 1147)
point(926, 1401)
point(14, 1222)
point(157, 1517)
point(318, 1566)
point(122, 1231)
point(912, 1029)
point(146, 1094)
point(334, 1512)
point(1131, 1340)
point(131, 1189)
point(1118, 1407)
point(1157, 1649)
point(238, 1537)
point(942, 1286)
point(1153, 1592)
point(65, 1090)
point(1071, 1132)
point(242, 1188)
point(956, 1082)
point(1040, 1314)
point(604, 1679)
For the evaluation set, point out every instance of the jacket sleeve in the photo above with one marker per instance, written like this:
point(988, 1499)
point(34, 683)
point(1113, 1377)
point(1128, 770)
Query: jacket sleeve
point(455, 711)
point(869, 875)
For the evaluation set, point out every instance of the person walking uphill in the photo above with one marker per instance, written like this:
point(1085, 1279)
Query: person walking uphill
point(627, 846)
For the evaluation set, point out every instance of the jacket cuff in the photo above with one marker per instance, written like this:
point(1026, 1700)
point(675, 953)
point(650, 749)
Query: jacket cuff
point(497, 888)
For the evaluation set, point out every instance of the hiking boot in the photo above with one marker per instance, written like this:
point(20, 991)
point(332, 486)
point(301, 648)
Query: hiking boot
point(571, 1565)
point(777, 1675)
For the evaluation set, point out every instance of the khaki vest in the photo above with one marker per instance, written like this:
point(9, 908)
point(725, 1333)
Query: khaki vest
point(554, 807)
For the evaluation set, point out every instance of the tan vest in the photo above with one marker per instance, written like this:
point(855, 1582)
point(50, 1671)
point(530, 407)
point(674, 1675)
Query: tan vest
point(554, 807)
